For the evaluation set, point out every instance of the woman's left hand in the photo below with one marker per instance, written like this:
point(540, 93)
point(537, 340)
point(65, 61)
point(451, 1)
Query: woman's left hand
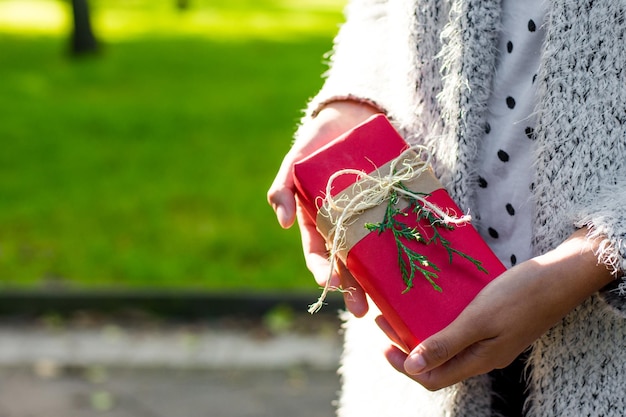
point(506, 317)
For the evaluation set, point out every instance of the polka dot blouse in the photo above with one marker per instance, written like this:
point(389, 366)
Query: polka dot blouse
point(504, 175)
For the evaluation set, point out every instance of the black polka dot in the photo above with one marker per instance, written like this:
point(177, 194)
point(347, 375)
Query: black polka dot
point(532, 186)
point(504, 157)
point(493, 233)
point(510, 209)
point(530, 133)
point(532, 26)
point(513, 259)
point(510, 102)
point(487, 128)
point(482, 183)
point(509, 46)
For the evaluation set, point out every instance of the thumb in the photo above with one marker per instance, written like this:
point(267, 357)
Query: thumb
point(439, 348)
point(283, 202)
point(281, 195)
point(428, 355)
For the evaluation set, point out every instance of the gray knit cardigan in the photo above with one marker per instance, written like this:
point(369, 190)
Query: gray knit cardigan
point(429, 64)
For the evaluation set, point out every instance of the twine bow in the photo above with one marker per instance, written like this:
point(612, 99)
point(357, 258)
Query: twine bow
point(372, 190)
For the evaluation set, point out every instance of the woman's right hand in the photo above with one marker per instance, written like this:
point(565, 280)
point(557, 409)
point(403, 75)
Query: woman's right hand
point(333, 120)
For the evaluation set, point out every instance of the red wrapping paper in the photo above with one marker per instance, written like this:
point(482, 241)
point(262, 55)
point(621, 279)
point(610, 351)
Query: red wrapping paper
point(373, 261)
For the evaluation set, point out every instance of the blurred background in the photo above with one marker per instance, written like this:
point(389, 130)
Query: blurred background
point(142, 157)
point(138, 139)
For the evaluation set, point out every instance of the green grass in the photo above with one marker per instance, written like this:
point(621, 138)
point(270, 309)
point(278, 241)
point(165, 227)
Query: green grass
point(147, 166)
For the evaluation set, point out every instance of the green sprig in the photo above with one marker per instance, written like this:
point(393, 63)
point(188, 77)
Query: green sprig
point(413, 263)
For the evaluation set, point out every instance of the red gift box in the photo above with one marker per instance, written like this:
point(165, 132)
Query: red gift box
point(373, 259)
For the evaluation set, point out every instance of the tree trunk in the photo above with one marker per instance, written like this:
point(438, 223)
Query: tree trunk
point(83, 40)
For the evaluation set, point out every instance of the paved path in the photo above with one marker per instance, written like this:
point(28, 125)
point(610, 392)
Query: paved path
point(173, 370)
point(98, 392)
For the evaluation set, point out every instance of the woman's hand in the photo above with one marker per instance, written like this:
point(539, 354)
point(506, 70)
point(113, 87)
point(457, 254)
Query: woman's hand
point(333, 120)
point(506, 317)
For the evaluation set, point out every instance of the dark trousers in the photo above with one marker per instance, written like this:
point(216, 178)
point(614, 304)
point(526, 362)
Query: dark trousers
point(509, 387)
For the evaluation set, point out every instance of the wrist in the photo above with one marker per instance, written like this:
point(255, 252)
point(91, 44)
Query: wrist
point(575, 268)
point(334, 119)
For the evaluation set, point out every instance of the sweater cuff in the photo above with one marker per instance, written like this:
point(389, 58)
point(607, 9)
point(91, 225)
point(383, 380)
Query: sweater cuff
point(319, 105)
point(611, 254)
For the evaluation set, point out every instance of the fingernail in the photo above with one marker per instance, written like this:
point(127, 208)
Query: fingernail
point(282, 215)
point(415, 363)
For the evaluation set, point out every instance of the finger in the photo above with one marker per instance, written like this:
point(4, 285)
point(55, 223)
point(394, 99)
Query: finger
point(391, 334)
point(443, 346)
point(396, 358)
point(354, 295)
point(468, 363)
point(444, 376)
point(316, 258)
point(283, 202)
point(281, 194)
point(315, 252)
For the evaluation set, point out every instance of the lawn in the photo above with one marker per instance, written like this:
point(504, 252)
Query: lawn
point(146, 166)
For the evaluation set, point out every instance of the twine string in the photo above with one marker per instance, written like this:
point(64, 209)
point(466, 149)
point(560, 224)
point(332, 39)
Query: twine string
point(371, 190)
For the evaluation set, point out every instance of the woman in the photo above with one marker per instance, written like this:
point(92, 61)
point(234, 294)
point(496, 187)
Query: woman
point(523, 105)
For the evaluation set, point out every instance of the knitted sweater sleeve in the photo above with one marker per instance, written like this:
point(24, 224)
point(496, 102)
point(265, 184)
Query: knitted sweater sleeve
point(605, 218)
point(359, 59)
point(583, 162)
